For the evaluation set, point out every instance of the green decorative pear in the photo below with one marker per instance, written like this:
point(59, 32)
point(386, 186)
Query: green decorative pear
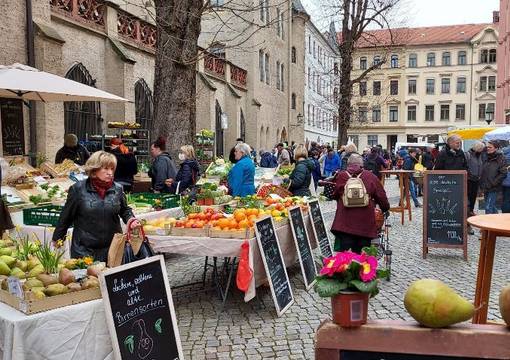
point(433, 304)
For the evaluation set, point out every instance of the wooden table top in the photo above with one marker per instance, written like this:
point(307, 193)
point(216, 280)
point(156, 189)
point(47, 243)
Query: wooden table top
point(491, 222)
point(396, 172)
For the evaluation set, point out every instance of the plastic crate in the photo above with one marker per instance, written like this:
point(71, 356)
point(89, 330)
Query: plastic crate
point(42, 216)
point(168, 201)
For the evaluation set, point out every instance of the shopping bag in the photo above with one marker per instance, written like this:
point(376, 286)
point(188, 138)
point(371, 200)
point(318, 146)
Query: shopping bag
point(137, 245)
point(244, 272)
point(116, 250)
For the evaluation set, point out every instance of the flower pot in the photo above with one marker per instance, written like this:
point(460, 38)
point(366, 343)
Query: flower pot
point(200, 202)
point(208, 201)
point(350, 309)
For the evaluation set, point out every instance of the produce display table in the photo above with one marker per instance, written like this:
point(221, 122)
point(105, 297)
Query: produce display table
point(491, 226)
point(230, 248)
point(403, 183)
point(72, 332)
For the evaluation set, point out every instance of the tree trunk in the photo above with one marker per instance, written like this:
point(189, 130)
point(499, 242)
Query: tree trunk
point(344, 105)
point(178, 24)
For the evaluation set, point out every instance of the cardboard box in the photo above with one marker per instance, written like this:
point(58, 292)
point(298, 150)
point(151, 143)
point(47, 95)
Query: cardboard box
point(49, 303)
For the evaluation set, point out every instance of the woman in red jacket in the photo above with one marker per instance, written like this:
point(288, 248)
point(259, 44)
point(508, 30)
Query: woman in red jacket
point(354, 227)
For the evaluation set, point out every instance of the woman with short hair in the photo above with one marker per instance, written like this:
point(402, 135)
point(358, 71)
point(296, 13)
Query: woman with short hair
point(301, 176)
point(93, 208)
point(241, 178)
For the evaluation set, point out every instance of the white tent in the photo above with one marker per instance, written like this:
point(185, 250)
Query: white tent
point(502, 133)
point(23, 82)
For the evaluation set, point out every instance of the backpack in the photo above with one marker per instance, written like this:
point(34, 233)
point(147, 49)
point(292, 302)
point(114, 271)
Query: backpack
point(371, 165)
point(355, 193)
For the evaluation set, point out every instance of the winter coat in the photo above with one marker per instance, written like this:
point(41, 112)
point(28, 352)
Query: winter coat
point(187, 176)
point(449, 159)
point(494, 171)
point(316, 172)
point(506, 152)
point(359, 221)
point(162, 168)
point(126, 167)
point(346, 156)
point(374, 163)
point(301, 177)
point(267, 160)
point(241, 178)
point(409, 162)
point(78, 154)
point(428, 160)
point(475, 165)
point(93, 219)
point(332, 164)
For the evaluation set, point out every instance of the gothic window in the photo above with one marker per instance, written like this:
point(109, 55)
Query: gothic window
point(143, 104)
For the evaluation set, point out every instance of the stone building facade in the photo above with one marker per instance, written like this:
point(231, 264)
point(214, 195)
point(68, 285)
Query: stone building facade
point(322, 64)
point(432, 79)
point(111, 45)
point(503, 89)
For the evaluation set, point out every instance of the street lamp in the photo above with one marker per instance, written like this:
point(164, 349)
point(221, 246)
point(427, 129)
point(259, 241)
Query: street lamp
point(489, 116)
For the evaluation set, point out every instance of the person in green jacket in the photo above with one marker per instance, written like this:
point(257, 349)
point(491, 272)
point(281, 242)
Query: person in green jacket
point(301, 176)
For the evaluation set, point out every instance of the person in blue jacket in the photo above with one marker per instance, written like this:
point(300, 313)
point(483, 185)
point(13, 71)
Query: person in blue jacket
point(241, 178)
point(331, 163)
point(267, 160)
point(506, 183)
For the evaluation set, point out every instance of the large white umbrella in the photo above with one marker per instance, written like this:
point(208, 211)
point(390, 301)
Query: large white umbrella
point(23, 82)
point(502, 133)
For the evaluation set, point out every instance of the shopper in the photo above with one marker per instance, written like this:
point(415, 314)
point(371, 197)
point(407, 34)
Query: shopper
point(349, 149)
point(126, 164)
point(283, 156)
point(72, 151)
point(188, 173)
point(316, 172)
point(331, 163)
point(374, 162)
point(355, 227)
point(494, 171)
point(241, 178)
point(428, 158)
point(163, 167)
point(93, 209)
point(267, 160)
point(231, 156)
point(409, 161)
point(475, 164)
point(506, 183)
point(451, 157)
point(301, 176)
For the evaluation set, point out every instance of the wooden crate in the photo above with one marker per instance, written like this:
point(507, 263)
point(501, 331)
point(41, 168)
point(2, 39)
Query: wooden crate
point(237, 234)
point(49, 303)
point(179, 231)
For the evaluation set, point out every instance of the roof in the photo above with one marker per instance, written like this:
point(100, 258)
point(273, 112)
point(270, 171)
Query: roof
point(431, 35)
point(298, 6)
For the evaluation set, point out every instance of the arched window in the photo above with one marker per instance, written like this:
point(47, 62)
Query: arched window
point(293, 55)
point(394, 61)
point(82, 117)
point(242, 126)
point(219, 130)
point(144, 104)
point(293, 102)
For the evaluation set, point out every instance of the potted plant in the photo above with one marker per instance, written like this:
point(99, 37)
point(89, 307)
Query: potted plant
point(350, 279)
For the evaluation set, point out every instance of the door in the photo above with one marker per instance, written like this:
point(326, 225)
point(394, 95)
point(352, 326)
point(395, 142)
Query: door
point(391, 142)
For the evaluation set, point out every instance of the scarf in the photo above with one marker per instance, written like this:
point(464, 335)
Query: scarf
point(101, 186)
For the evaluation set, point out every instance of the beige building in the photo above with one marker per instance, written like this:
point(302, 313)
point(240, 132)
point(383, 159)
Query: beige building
point(432, 78)
point(111, 45)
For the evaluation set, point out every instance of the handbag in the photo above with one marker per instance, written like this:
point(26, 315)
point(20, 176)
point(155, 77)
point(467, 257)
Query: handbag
point(129, 247)
point(329, 186)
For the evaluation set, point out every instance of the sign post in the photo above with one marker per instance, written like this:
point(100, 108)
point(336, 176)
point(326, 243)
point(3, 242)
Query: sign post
point(273, 263)
point(319, 229)
point(304, 250)
point(140, 312)
point(445, 210)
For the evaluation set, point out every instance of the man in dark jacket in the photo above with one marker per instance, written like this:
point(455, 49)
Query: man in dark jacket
point(493, 173)
point(316, 172)
point(267, 160)
point(301, 177)
point(374, 162)
point(355, 227)
point(72, 151)
point(428, 159)
point(409, 162)
point(162, 168)
point(452, 157)
point(475, 164)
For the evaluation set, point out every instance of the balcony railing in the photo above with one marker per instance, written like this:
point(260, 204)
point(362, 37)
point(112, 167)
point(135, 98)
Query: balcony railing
point(134, 29)
point(215, 66)
point(238, 76)
point(88, 11)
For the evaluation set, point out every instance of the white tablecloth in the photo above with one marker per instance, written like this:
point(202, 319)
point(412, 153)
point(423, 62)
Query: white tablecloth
point(219, 247)
point(73, 332)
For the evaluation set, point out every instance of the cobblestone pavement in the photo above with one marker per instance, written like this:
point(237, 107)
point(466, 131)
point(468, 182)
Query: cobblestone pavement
point(253, 331)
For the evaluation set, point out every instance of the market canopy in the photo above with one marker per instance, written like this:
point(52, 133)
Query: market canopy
point(502, 133)
point(23, 82)
point(471, 133)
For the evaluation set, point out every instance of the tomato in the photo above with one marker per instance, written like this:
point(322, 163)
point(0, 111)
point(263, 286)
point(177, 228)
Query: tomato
point(179, 223)
point(192, 216)
point(202, 216)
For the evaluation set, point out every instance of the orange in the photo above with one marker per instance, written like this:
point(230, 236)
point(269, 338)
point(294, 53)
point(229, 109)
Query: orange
point(233, 224)
point(192, 216)
point(189, 224)
point(223, 223)
point(239, 216)
point(253, 217)
point(243, 224)
point(252, 211)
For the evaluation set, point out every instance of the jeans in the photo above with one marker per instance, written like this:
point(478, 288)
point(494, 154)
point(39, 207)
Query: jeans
point(506, 199)
point(328, 173)
point(490, 202)
point(412, 191)
point(472, 188)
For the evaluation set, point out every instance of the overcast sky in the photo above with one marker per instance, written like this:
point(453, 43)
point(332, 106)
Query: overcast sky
point(423, 12)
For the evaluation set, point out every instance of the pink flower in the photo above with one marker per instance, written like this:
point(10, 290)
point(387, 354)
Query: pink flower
point(337, 263)
point(368, 270)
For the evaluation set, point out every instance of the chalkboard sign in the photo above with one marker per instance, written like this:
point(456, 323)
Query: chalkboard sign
point(303, 247)
point(368, 355)
point(319, 229)
point(273, 262)
point(140, 312)
point(13, 133)
point(445, 210)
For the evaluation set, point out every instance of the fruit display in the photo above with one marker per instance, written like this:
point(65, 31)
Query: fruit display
point(159, 226)
point(433, 304)
point(265, 190)
point(48, 193)
point(142, 203)
point(60, 170)
point(504, 304)
point(219, 168)
point(123, 125)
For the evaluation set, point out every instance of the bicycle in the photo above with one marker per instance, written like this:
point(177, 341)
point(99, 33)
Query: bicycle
point(382, 242)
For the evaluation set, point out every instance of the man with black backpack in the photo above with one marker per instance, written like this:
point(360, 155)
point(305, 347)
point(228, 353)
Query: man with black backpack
point(374, 162)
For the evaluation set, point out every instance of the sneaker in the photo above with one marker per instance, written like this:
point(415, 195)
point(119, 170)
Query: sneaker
point(417, 205)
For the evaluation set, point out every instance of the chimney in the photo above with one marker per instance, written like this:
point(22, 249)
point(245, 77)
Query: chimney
point(495, 17)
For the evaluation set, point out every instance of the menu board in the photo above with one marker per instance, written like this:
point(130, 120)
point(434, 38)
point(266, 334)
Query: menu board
point(368, 355)
point(273, 263)
point(303, 247)
point(140, 312)
point(319, 228)
point(445, 210)
point(13, 133)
